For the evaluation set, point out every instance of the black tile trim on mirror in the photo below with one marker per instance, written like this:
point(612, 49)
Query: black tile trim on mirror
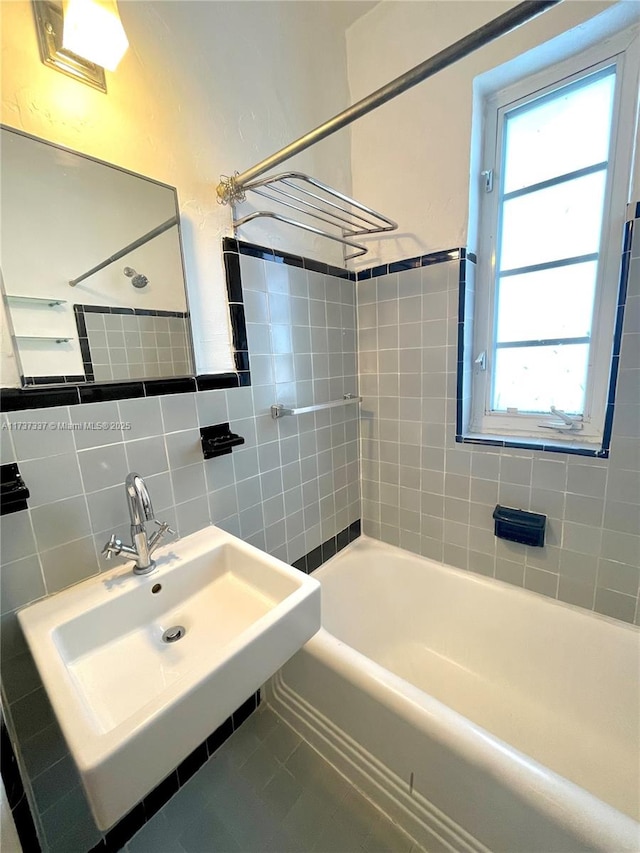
point(315, 558)
point(126, 828)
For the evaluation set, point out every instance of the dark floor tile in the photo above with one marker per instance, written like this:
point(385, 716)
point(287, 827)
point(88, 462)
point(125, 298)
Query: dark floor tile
point(43, 750)
point(282, 741)
point(67, 813)
point(247, 818)
point(32, 714)
point(308, 817)
point(19, 677)
point(264, 722)
point(209, 834)
point(342, 833)
point(55, 782)
point(239, 747)
point(259, 768)
point(281, 793)
point(157, 836)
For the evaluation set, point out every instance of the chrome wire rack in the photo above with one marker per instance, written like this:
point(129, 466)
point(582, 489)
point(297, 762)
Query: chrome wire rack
point(346, 217)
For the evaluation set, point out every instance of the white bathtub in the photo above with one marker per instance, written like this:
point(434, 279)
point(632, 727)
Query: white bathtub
point(477, 715)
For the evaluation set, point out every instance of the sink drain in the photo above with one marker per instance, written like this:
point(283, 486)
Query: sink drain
point(172, 635)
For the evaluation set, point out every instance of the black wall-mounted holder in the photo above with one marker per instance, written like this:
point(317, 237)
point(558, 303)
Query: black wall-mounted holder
point(13, 492)
point(517, 525)
point(218, 440)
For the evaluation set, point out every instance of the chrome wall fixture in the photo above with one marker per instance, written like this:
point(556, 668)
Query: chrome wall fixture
point(232, 189)
point(347, 216)
point(137, 279)
point(280, 411)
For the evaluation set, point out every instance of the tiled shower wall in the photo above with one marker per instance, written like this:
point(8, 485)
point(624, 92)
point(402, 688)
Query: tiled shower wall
point(293, 485)
point(426, 493)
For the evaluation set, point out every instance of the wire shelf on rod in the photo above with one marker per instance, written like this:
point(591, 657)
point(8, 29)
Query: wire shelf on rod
point(348, 217)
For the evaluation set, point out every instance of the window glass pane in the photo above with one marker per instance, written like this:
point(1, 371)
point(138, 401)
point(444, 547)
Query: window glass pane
point(562, 221)
point(558, 134)
point(554, 303)
point(532, 379)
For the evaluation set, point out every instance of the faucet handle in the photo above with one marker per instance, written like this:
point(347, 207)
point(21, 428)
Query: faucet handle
point(113, 546)
point(156, 537)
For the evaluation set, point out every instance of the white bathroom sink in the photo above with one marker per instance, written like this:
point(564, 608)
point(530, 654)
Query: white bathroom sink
point(131, 705)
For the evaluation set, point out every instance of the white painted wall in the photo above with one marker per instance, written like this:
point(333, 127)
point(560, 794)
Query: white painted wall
point(205, 89)
point(410, 158)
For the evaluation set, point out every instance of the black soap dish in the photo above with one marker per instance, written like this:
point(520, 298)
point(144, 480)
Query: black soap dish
point(218, 440)
point(13, 492)
point(518, 525)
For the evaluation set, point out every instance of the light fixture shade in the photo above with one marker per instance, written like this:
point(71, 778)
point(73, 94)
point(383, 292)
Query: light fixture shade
point(93, 30)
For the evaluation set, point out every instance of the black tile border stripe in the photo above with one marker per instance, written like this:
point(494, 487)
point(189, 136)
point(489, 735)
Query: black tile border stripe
point(142, 812)
point(138, 312)
point(234, 247)
point(419, 261)
point(20, 399)
point(315, 558)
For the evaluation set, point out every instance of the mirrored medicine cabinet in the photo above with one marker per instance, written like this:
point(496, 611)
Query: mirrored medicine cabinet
point(93, 277)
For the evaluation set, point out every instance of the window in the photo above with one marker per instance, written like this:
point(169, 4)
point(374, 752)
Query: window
point(556, 173)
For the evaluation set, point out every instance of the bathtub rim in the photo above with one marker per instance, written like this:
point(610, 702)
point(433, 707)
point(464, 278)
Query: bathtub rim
point(469, 575)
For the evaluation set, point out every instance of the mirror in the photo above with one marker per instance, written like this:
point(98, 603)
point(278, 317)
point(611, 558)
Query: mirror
point(93, 279)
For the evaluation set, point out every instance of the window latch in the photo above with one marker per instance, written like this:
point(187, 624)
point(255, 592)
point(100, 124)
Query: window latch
point(565, 424)
point(488, 180)
point(481, 361)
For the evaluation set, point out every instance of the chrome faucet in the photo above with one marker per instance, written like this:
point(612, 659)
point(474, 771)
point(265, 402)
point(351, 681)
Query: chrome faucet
point(140, 511)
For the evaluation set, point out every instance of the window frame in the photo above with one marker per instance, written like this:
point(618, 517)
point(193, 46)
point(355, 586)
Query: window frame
point(622, 50)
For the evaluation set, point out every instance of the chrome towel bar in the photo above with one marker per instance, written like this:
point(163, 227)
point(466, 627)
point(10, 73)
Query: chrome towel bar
point(280, 411)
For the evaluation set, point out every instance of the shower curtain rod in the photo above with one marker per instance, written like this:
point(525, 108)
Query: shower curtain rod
point(230, 189)
point(155, 232)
